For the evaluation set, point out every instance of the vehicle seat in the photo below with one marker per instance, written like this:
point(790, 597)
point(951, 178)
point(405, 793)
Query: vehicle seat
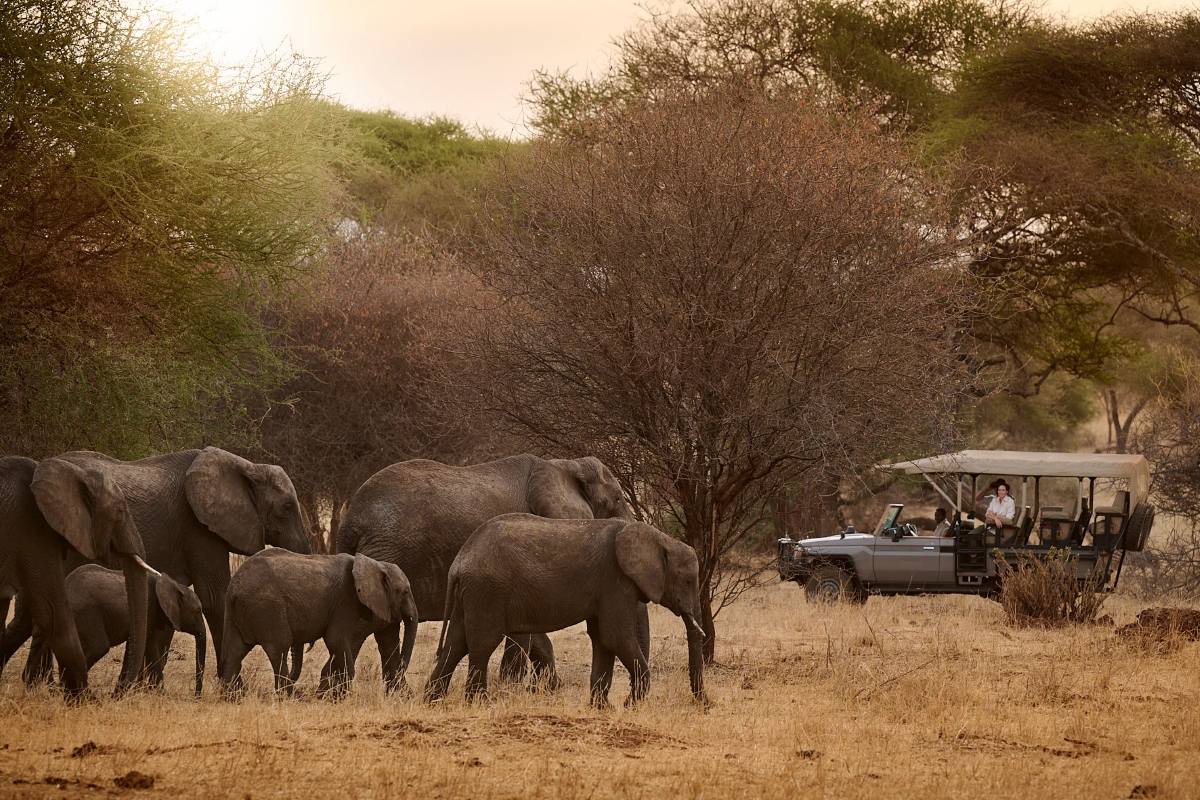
point(1009, 534)
point(1026, 528)
point(1056, 527)
point(1106, 531)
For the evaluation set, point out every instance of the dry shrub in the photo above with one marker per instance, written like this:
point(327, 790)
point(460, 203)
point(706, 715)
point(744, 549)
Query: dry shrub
point(1044, 591)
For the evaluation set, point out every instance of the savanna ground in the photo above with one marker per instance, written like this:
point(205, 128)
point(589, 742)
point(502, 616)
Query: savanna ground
point(922, 697)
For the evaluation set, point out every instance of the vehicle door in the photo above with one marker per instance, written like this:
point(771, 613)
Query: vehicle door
point(911, 561)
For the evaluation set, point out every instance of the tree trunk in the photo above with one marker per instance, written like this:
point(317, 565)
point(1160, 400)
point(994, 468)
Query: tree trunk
point(706, 619)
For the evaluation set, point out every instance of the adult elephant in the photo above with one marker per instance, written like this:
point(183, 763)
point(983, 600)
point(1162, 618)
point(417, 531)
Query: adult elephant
point(193, 508)
point(44, 508)
point(418, 514)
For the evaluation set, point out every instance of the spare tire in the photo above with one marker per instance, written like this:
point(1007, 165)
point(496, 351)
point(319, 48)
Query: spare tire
point(1137, 530)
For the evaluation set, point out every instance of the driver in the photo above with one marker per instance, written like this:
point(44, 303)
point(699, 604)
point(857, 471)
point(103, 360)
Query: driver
point(941, 524)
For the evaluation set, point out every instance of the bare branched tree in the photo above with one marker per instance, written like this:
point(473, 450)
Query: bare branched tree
point(719, 293)
point(365, 395)
point(1170, 439)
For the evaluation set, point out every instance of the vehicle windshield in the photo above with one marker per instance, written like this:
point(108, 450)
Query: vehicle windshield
point(889, 518)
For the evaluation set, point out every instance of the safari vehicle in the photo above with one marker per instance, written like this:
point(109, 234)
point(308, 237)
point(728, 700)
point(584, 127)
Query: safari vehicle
point(895, 558)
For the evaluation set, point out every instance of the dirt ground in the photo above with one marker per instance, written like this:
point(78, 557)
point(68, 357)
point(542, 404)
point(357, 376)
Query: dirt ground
point(923, 697)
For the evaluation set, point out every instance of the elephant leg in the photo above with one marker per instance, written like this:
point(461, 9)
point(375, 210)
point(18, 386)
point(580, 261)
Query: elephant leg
point(453, 650)
point(388, 640)
point(541, 656)
point(515, 661)
point(52, 615)
point(278, 657)
point(481, 643)
point(335, 673)
point(211, 590)
point(297, 664)
point(39, 664)
point(158, 647)
point(602, 668)
point(643, 629)
point(630, 652)
point(17, 632)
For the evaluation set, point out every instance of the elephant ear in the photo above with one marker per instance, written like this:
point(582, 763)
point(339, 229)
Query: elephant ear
point(64, 497)
point(218, 490)
point(370, 581)
point(555, 491)
point(641, 556)
point(172, 600)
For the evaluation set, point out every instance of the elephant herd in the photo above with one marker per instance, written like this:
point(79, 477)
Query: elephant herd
point(99, 551)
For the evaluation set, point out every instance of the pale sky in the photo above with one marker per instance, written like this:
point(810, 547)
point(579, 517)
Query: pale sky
point(467, 59)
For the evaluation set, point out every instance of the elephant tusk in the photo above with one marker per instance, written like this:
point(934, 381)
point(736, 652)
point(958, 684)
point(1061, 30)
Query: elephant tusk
point(147, 567)
point(695, 625)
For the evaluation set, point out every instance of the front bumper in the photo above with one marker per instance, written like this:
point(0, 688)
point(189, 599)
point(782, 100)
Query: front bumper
point(792, 563)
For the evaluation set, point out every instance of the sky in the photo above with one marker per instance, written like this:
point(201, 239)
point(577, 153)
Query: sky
point(466, 59)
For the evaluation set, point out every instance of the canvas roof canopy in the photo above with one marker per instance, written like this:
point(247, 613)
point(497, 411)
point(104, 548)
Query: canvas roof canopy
point(1133, 468)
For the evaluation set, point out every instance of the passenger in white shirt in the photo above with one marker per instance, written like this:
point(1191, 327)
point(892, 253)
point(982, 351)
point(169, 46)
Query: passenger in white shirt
point(1002, 510)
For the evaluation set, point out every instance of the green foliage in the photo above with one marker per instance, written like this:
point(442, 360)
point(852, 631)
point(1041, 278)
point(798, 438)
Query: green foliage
point(1050, 420)
point(894, 55)
point(152, 204)
point(416, 176)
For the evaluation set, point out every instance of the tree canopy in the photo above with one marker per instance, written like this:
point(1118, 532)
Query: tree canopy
point(152, 203)
point(1083, 136)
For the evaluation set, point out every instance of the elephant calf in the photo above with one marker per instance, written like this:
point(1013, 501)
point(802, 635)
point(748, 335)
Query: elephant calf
point(281, 600)
point(521, 573)
point(100, 606)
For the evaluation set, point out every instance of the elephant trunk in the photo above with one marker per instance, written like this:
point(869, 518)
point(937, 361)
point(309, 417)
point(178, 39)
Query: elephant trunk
point(695, 640)
point(201, 652)
point(410, 633)
point(137, 593)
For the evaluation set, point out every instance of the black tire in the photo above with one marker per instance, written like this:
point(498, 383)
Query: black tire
point(1138, 529)
point(829, 585)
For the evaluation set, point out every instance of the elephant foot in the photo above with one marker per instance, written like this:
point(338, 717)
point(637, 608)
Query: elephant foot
point(600, 703)
point(400, 687)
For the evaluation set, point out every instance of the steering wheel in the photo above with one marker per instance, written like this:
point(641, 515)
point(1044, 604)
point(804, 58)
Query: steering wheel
point(910, 529)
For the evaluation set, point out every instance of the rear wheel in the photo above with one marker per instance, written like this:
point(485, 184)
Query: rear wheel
point(833, 585)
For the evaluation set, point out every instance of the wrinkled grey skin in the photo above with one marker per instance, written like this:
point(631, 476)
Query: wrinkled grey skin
point(417, 514)
point(193, 508)
point(525, 574)
point(100, 606)
point(283, 601)
point(47, 510)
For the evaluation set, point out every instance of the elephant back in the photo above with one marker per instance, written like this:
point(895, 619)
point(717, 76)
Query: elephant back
point(417, 515)
point(18, 507)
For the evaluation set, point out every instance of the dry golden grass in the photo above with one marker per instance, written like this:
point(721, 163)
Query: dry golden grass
point(906, 697)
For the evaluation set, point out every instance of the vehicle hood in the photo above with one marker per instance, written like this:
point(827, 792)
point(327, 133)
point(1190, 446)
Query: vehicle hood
point(834, 541)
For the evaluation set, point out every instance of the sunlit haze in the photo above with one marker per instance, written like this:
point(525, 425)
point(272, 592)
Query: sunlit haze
point(467, 59)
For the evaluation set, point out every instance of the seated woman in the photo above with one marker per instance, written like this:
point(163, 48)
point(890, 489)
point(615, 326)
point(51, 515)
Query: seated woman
point(1001, 510)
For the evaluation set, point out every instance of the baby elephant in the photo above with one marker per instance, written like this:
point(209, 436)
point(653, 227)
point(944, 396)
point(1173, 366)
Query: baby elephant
point(101, 609)
point(524, 574)
point(282, 600)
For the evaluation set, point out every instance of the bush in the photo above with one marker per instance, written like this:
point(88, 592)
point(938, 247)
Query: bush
point(1045, 592)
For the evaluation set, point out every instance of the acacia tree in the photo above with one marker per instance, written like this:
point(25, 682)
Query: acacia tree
point(718, 292)
point(151, 203)
point(1090, 133)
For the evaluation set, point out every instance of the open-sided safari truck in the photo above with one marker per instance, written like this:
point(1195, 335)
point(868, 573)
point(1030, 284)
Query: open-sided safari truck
point(895, 558)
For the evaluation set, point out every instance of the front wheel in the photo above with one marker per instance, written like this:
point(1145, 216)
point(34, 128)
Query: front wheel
point(832, 585)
